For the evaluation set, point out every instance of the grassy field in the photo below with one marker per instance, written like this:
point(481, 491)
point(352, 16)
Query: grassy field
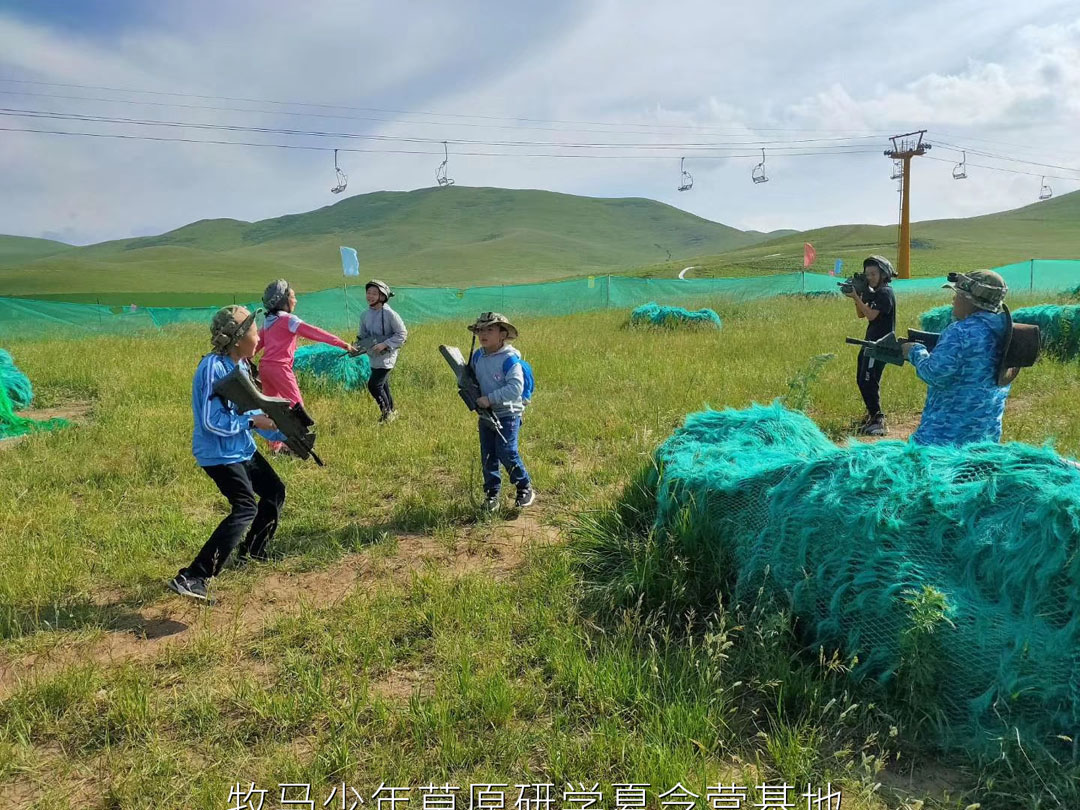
point(402, 637)
point(471, 236)
point(428, 237)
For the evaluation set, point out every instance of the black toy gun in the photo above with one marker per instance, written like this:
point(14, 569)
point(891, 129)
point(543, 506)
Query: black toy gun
point(291, 419)
point(468, 386)
point(889, 349)
point(857, 284)
point(364, 345)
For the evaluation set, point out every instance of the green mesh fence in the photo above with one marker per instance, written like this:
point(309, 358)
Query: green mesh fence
point(340, 309)
point(11, 424)
point(1059, 326)
point(951, 576)
point(15, 384)
point(652, 314)
point(330, 367)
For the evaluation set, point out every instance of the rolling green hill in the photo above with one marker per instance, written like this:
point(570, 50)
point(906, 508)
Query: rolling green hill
point(1045, 230)
point(451, 236)
point(17, 250)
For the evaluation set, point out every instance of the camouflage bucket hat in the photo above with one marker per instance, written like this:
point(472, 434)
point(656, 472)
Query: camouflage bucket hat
point(225, 332)
point(983, 288)
point(275, 295)
point(494, 319)
point(382, 287)
point(883, 264)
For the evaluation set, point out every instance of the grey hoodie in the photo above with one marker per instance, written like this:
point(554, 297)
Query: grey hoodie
point(503, 391)
point(385, 326)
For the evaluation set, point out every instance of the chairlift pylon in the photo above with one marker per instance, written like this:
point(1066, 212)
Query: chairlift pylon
point(1045, 192)
point(959, 172)
point(758, 174)
point(440, 173)
point(342, 179)
point(686, 180)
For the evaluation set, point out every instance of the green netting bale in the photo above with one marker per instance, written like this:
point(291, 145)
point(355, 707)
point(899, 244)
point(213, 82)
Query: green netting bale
point(1059, 327)
point(15, 384)
point(952, 575)
point(936, 319)
point(332, 367)
point(652, 314)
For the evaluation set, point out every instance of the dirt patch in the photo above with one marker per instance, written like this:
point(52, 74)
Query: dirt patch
point(399, 686)
point(74, 412)
point(241, 610)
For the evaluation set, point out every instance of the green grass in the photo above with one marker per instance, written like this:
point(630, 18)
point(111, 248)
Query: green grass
point(563, 669)
point(463, 236)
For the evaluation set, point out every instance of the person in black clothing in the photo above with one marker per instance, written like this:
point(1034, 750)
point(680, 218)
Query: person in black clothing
point(878, 306)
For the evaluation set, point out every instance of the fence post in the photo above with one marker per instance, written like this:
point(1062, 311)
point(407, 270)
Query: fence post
point(1031, 287)
point(802, 283)
point(98, 312)
point(607, 292)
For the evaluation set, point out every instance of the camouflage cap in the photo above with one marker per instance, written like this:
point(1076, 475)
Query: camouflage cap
point(494, 319)
point(983, 288)
point(226, 331)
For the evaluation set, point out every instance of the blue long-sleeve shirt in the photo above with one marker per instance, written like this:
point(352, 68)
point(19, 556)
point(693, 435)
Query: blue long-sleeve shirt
point(964, 403)
point(503, 390)
point(221, 434)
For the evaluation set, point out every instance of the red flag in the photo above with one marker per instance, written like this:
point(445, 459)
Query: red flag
point(808, 254)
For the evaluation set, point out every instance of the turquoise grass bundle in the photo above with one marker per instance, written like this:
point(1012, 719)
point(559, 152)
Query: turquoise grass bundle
point(949, 576)
point(332, 367)
point(652, 314)
point(15, 384)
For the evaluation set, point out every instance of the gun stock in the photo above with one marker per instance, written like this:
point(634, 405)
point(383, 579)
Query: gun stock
point(292, 420)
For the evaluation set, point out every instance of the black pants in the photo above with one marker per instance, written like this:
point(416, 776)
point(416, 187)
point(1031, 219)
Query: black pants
point(379, 386)
point(869, 380)
point(240, 484)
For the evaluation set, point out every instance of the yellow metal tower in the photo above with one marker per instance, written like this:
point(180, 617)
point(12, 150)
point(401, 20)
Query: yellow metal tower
point(904, 148)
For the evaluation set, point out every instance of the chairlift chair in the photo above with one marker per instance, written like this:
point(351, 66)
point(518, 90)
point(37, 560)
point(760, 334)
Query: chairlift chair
point(959, 172)
point(758, 174)
point(440, 173)
point(686, 180)
point(1045, 192)
point(342, 179)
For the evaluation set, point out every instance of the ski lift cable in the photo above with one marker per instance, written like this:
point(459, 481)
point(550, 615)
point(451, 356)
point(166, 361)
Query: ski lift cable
point(962, 149)
point(1006, 170)
point(400, 122)
point(395, 111)
point(105, 119)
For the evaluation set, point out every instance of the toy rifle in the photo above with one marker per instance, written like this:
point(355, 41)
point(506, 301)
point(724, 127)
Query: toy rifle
point(291, 419)
point(469, 386)
point(857, 284)
point(889, 348)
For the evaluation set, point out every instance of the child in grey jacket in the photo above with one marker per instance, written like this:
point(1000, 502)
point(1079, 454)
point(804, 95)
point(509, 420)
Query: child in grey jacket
point(384, 328)
point(502, 382)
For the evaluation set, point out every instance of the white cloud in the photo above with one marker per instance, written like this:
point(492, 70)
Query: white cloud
point(1010, 75)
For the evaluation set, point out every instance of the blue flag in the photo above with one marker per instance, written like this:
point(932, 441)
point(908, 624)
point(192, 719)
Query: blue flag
point(350, 262)
point(838, 267)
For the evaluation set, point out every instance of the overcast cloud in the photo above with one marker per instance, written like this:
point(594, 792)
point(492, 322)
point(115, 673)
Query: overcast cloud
point(1004, 79)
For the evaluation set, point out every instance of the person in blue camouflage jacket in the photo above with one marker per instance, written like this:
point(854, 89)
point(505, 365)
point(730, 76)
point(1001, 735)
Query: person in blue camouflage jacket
point(964, 402)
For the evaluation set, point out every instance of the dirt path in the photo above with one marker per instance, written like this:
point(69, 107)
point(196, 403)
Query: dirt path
point(243, 609)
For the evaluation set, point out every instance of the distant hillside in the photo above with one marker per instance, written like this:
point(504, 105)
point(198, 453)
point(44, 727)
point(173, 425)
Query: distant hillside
point(1045, 230)
point(452, 236)
point(16, 250)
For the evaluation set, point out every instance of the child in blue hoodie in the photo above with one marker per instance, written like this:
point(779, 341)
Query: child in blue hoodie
point(223, 446)
point(502, 383)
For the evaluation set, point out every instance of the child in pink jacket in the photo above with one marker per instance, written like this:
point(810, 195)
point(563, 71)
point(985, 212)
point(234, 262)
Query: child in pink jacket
point(277, 341)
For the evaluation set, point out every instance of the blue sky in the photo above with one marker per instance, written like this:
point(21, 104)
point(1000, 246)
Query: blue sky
point(1004, 80)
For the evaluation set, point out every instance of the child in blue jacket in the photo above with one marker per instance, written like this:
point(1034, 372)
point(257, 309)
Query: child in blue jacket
point(223, 446)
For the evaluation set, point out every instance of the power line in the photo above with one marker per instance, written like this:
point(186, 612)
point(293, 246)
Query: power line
point(402, 112)
point(309, 148)
point(677, 147)
point(394, 121)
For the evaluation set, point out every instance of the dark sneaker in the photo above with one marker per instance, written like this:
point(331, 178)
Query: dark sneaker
point(491, 503)
point(389, 416)
point(525, 497)
point(192, 587)
point(875, 427)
